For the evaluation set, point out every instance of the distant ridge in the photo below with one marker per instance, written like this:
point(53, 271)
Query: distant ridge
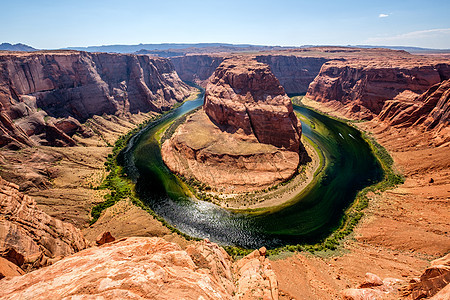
point(16, 47)
point(142, 48)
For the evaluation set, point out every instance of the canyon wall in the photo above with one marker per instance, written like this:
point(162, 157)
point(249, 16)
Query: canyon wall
point(196, 68)
point(243, 94)
point(431, 109)
point(295, 73)
point(368, 83)
point(45, 95)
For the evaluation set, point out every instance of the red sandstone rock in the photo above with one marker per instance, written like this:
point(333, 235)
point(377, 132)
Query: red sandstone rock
point(28, 236)
point(104, 238)
point(370, 82)
point(255, 278)
point(8, 269)
point(371, 280)
point(295, 73)
point(362, 294)
point(147, 268)
point(434, 279)
point(431, 109)
point(246, 137)
point(245, 95)
point(62, 84)
point(196, 67)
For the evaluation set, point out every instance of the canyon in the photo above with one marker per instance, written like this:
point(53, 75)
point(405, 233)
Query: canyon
point(403, 99)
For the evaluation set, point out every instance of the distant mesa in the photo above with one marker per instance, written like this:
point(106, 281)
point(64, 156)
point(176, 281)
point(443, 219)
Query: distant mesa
point(245, 138)
point(16, 47)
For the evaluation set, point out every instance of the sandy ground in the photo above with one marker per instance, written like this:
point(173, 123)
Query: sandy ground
point(60, 179)
point(402, 230)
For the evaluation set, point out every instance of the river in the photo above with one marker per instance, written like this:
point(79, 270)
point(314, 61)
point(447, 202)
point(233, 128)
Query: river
point(312, 215)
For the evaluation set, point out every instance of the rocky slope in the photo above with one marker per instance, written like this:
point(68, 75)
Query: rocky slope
point(365, 84)
point(148, 268)
point(30, 238)
point(45, 95)
point(431, 110)
point(247, 136)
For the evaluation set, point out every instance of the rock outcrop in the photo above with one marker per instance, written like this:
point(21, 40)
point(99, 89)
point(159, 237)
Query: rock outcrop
point(30, 238)
point(247, 136)
point(368, 83)
point(244, 95)
point(146, 268)
point(431, 109)
point(44, 94)
point(372, 288)
point(435, 280)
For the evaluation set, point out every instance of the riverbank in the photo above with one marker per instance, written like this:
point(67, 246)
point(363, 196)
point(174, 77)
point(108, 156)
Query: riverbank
point(283, 194)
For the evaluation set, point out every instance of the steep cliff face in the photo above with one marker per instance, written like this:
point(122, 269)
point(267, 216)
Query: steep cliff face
point(245, 95)
point(148, 268)
point(30, 238)
point(431, 109)
point(42, 89)
point(247, 136)
point(196, 68)
point(295, 73)
point(369, 83)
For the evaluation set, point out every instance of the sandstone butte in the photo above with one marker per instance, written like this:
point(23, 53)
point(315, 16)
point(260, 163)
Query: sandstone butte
point(245, 138)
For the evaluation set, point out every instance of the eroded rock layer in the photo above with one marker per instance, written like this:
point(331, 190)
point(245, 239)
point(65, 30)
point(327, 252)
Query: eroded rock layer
point(431, 109)
point(44, 95)
point(148, 268)
point(29, 237)
point(244, 95)
point(245, 138)
point(365, 84)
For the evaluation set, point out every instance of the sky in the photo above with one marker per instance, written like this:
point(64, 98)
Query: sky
point(48, 24)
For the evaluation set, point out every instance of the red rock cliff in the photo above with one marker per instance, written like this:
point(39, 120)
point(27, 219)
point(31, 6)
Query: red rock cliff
point(44, 88)
point(245, 94)
point(431, 109)
point(196, 68)
point(295, 73)
point(370, 82)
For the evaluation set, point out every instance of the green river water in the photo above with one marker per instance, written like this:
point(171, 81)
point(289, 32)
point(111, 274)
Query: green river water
point(311, 215)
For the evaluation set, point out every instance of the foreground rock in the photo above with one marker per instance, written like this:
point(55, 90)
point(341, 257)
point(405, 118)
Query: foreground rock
point(247, 136)
point(30, 238)
point(143, 268)
point(435, 280)
point(45, 95)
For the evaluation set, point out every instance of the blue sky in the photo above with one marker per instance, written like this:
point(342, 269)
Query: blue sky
point(56, 24)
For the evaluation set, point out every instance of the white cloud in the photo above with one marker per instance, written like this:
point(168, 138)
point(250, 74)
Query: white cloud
point(431, 38)
point(383, 16)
